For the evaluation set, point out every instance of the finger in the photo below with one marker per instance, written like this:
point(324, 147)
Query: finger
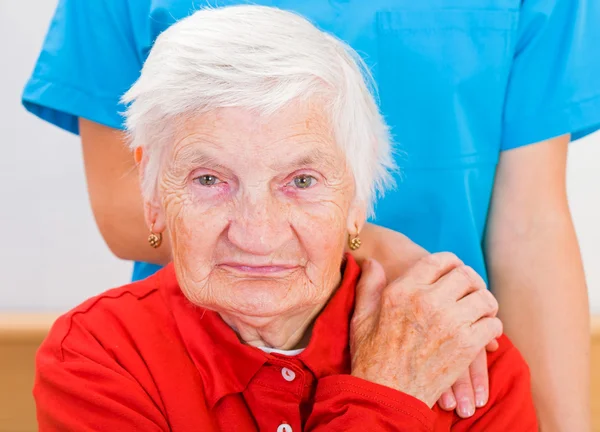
point(477, 305)
point(484, 331)
point(492, 346)
point(465, 398)
point(460, 282)
point(430, 268)
point(447, 401)
point(480, 379)
point(368, 290)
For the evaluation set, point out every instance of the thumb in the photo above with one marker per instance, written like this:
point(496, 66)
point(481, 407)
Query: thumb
point(368, 290)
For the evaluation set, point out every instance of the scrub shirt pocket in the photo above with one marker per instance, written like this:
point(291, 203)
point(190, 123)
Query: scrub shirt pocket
point(447, 69)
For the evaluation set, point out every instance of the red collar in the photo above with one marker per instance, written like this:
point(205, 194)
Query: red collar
point(227, 366)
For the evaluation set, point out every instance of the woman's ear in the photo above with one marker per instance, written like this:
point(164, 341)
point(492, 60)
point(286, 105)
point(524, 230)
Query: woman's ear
point(153, 210)
point(357, 217)
point(155, 215)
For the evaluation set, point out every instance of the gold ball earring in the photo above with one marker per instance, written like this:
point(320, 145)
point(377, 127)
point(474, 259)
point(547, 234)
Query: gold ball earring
point(155, 239)
point(354, 242)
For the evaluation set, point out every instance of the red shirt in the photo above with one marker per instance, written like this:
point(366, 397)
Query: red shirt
point(143, 358)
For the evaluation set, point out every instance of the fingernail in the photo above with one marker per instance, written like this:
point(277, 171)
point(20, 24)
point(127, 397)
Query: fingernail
point(449, 401)
point(466, 408)
point(480, 397)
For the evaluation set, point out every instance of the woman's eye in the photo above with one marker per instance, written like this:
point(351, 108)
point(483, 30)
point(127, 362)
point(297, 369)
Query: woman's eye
point(207, 180)
point(304, 181)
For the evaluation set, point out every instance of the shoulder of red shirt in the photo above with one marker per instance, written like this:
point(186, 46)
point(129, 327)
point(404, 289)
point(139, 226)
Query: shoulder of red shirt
point(126, 297)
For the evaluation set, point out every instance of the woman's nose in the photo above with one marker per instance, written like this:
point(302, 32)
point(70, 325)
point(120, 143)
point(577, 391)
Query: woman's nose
point(260, 226)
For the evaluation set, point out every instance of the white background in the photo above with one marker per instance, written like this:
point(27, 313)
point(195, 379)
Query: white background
point(51, 254)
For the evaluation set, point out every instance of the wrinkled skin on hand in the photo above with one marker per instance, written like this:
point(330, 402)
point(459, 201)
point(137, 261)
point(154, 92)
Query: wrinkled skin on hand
point(398, 254)
point(420, 333)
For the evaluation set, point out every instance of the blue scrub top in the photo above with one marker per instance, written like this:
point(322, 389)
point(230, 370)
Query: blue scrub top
point(460, 81)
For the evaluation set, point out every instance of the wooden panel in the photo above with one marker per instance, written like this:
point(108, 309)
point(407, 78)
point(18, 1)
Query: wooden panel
point(17, 413)
point(20, 336)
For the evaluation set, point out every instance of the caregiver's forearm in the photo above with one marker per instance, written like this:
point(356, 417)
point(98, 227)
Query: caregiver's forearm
point(113, 186)
point(536, 274)
point(537, 277)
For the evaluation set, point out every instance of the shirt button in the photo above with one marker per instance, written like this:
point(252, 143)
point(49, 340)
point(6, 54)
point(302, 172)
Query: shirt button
point(284, 427)
point(288, 375)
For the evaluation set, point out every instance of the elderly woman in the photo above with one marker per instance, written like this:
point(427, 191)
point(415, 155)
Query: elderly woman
point(261, 150)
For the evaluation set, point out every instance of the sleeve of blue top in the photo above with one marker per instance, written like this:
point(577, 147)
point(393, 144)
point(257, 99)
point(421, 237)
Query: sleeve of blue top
point(554, 87)
point(88, 60)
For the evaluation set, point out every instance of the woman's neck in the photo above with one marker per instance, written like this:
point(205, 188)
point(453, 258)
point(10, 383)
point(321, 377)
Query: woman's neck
point(284, 333)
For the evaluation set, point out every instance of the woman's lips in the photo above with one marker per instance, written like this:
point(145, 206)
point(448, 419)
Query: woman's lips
point(259, 270)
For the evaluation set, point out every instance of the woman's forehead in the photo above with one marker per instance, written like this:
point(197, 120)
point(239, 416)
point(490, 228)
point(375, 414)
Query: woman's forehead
point(295, 118)
point(297, 135)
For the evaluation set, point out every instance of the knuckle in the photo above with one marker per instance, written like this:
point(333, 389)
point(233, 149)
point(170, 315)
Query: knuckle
point(476, 278)
point(431, 260)
point(497, 326)
point(437, 260)
point(457, 278)
point(430, 267)
point(469, 275)
point(461, 275)
point(492, 303)
point(492, 329)
point(485, 300)
point(448, 257)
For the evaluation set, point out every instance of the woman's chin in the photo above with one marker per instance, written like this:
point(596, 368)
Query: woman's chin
point(261, 298)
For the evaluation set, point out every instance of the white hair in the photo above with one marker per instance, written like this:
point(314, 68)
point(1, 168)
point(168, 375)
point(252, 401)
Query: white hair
point(258, 58)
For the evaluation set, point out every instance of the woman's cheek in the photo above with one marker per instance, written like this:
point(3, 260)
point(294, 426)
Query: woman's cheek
point(203, 219)
point(321, 226)
point(198, 234)
point(193, 222)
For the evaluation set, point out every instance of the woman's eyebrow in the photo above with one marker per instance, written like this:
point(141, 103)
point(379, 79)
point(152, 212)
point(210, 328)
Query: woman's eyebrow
point(187, 158)
point(316, 157)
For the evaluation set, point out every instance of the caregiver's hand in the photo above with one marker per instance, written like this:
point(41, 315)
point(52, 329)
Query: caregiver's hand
point(422, 331)
point(472, 387)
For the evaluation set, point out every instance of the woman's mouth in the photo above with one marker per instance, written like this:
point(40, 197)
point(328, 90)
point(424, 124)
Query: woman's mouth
point(258, 270)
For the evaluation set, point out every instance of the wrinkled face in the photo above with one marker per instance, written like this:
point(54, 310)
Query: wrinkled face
point(258, 210)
